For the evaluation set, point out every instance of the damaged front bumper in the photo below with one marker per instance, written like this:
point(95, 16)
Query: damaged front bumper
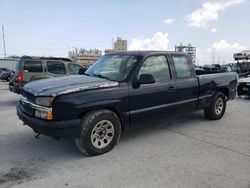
point(56, 129)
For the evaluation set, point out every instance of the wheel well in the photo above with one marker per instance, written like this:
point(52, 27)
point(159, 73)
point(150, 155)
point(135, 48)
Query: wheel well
point(224, 91)
point(117, 112)
point(113, 109)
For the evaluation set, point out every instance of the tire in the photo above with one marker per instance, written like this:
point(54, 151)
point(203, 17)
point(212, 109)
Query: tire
point(217, 108)
point(100, 132)
point(9, 79)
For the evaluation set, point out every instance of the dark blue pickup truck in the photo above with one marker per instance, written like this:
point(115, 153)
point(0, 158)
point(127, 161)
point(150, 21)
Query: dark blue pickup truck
point(119, 92)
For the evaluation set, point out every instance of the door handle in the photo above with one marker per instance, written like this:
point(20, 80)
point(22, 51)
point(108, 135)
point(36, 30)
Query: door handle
point(171, 89)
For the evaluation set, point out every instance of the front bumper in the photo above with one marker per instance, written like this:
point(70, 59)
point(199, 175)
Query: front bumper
point(243, 89)
point(66, 128)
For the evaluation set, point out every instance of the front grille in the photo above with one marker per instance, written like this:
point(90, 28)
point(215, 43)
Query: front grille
point(27, 109)
point(30, 97)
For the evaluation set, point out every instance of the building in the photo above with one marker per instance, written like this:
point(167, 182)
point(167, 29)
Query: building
point(109, 51)
point(187, 49)
point(7, 62)
point(85, 57)
point(119, 45)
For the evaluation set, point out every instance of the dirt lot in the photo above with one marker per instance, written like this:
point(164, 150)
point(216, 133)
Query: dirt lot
point(187, 152)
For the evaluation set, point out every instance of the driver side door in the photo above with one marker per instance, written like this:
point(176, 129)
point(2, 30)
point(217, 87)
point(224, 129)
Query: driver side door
point(150, 103)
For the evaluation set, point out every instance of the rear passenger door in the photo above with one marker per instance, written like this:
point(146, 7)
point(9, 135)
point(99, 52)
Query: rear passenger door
point(32, 70)
point(55, 68)
point(187, 90)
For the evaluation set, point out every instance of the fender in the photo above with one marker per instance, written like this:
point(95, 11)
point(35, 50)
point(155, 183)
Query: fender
point(116, 106)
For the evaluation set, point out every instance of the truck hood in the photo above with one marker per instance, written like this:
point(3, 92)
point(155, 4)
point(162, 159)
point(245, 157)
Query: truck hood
point(244, 80)
point(66, 84)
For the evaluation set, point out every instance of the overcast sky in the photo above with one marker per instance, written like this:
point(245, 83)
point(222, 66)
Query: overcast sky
point(51, 28)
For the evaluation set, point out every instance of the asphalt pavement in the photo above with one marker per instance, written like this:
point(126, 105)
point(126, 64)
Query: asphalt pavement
point(189, 151)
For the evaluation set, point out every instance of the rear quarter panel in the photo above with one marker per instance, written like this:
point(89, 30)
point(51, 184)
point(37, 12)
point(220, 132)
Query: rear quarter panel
point(209, 84)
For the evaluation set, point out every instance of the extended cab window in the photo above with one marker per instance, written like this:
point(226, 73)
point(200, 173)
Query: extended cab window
point(74, 69)
point(55, 67)
point(157, 66)
point(33, 66)
point(182, 67)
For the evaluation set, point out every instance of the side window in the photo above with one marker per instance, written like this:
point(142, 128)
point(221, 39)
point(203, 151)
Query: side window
point(55, 67)
point(17, 66)
point(157, 66)
point(182, 67)
point(33, 66)
point(74, 69)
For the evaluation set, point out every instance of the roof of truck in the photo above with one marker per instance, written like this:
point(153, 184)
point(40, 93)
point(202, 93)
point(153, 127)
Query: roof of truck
point(45, 58)
point(143, 53)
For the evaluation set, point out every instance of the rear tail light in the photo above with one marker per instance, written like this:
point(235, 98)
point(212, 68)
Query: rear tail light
point(20, 78)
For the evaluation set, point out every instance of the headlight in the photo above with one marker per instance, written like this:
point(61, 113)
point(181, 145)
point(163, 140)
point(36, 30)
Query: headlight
point(44, 101)
point(43, 114)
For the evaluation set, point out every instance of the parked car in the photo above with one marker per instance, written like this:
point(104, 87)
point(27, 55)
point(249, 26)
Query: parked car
point(226, 68)
point(3, 69)
point(210, 69)
point(122, 91)
point(244, 86)
point(6, 75)
point(28, 69)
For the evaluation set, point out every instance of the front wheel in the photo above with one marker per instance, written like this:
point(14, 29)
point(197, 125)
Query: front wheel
point(217, 108)
point(100, 132)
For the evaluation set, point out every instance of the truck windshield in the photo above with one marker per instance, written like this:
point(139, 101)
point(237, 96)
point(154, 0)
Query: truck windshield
point(113, 67)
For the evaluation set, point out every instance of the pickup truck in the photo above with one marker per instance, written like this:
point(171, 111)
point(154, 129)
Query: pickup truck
point(122, 91)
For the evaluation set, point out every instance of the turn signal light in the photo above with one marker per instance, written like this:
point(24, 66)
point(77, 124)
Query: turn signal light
point(49, 116)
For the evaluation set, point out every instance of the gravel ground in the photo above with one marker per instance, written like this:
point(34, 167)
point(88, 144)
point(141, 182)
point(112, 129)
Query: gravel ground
point(187, 152)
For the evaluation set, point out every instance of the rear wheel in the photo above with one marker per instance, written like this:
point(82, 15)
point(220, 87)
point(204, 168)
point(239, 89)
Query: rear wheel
point(217, 108)
point(100, 132)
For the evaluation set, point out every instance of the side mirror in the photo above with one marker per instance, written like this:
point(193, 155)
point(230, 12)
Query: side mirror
point(146, 79)
point(82, 71)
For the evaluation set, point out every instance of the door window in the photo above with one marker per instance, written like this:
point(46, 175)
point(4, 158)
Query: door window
point(33, 66)
point(156, 66)
point(74, 69)
point(55, 67)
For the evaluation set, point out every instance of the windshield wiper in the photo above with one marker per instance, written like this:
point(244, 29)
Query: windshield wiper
point(102, 76)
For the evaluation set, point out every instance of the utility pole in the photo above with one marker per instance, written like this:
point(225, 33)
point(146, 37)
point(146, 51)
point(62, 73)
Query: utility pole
point(213, 55)
point(113, 45)
point(4, 42)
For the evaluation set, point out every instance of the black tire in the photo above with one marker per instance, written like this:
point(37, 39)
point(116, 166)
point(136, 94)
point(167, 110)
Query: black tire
point(90, 122)
point(9, 79)
point(217, 108)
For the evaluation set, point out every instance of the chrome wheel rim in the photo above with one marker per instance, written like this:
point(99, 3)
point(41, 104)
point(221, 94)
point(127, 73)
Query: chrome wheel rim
point(219, 105)
point(102, 134)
